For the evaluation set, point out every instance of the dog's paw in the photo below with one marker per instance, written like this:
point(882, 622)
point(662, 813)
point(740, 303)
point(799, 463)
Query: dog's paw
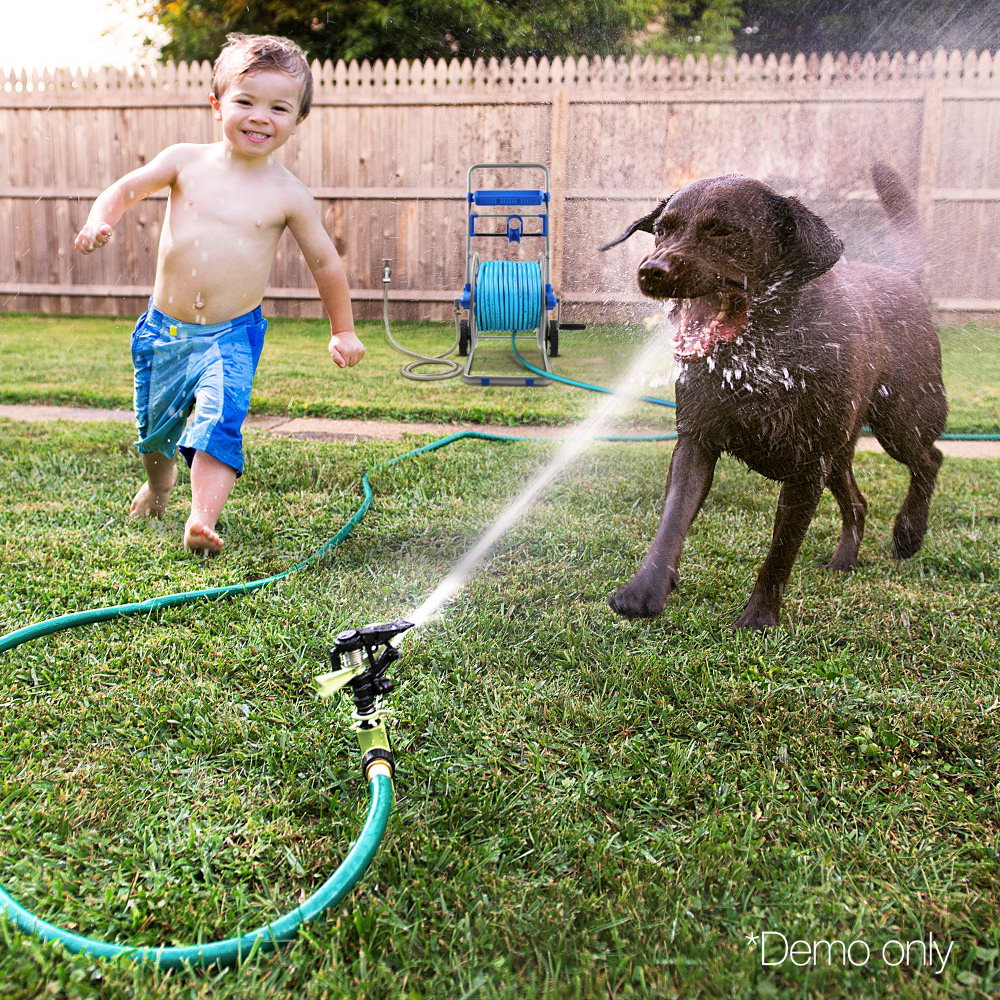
point(906, 542)
point(636, 602)
point(754, 623)
point(838, 564)
point(756, 617)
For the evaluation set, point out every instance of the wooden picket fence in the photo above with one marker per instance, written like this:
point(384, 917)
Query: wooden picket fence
point(387, 146)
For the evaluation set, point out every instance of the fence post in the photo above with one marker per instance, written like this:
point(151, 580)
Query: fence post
point(930, 149)
point(558, 179)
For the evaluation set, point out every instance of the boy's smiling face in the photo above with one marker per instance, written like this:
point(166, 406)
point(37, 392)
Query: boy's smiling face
point(258, 111)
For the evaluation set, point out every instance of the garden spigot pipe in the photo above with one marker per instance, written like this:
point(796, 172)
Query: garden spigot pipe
point(409, 370)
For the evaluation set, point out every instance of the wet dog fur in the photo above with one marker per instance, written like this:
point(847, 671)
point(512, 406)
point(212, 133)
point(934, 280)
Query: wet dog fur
point(786, 350)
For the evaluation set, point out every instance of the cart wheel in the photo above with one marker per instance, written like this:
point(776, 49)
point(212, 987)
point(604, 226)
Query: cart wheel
point(552, 338)
point(463, 338)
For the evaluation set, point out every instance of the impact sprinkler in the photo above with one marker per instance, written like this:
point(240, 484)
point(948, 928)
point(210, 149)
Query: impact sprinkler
point(359, 659)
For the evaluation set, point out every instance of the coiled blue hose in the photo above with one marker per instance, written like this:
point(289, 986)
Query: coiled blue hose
point(509, 296)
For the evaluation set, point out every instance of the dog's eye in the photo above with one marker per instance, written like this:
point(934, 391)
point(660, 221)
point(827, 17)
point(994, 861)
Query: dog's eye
point(717, 231)
point(664, 225)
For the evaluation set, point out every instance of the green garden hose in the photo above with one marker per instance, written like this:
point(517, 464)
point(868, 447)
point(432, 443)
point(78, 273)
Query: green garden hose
point(586, 385)
point(352, 868)
point(233, 949)
point(454, 368)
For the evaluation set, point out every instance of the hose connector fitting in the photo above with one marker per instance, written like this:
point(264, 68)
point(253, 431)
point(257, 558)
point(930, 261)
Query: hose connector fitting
point(378, 760)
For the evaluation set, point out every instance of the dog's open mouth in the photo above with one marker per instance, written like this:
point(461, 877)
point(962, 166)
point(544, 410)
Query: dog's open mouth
point(707, 321)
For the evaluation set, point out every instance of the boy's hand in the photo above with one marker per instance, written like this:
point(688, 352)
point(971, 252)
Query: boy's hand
point(92, 237)
point(345, 348)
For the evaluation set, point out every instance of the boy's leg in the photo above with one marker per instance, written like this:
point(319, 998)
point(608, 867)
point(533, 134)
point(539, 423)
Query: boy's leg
point(211, 483)
point(213, 440)
point(161, 474)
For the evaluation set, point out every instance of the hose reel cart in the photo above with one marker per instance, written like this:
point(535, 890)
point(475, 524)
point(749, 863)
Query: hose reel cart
point(507, 298)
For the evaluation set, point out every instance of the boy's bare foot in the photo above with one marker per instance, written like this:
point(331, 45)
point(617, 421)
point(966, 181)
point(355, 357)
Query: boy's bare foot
point(199, 537)
point(149, 502)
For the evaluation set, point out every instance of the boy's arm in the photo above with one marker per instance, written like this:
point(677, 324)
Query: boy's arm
point(331, 280)
point(113, 202)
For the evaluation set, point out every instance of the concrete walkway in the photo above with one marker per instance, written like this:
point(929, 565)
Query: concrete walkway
point(321, 429)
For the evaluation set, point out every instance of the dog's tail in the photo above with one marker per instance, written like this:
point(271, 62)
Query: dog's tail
point(911, 254)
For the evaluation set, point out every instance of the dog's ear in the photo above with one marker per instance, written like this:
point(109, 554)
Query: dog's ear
point(643, 225)
point(809, 246)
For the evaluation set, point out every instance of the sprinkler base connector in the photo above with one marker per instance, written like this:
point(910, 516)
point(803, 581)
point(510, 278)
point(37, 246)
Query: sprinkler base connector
point(378, 760)
point(373, 739)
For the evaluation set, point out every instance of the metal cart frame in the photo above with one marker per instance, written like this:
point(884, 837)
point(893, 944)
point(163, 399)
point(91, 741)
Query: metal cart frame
point(546, 336)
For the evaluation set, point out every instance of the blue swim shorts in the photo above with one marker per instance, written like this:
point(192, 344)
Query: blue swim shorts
point(184, 366)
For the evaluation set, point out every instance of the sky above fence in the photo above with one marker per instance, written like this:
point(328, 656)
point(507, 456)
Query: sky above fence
point(71, 33)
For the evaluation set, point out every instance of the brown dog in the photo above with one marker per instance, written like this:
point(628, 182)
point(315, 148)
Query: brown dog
point(785, 353)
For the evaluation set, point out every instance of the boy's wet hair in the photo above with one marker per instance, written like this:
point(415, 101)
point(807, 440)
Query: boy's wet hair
point(244, 54)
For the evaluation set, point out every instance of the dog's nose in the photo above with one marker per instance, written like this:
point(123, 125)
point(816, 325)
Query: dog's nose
point(658, 276)
point(655, 268)
point(669, 275)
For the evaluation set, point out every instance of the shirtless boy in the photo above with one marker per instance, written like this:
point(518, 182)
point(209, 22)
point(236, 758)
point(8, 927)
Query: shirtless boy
point(201, 337)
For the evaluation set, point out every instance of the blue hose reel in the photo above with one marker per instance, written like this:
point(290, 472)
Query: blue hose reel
point(505, 299)
point(509, 295)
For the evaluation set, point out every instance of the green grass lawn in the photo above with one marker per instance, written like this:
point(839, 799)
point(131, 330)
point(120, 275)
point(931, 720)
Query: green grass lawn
point(587, 807)
point(85, 361)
